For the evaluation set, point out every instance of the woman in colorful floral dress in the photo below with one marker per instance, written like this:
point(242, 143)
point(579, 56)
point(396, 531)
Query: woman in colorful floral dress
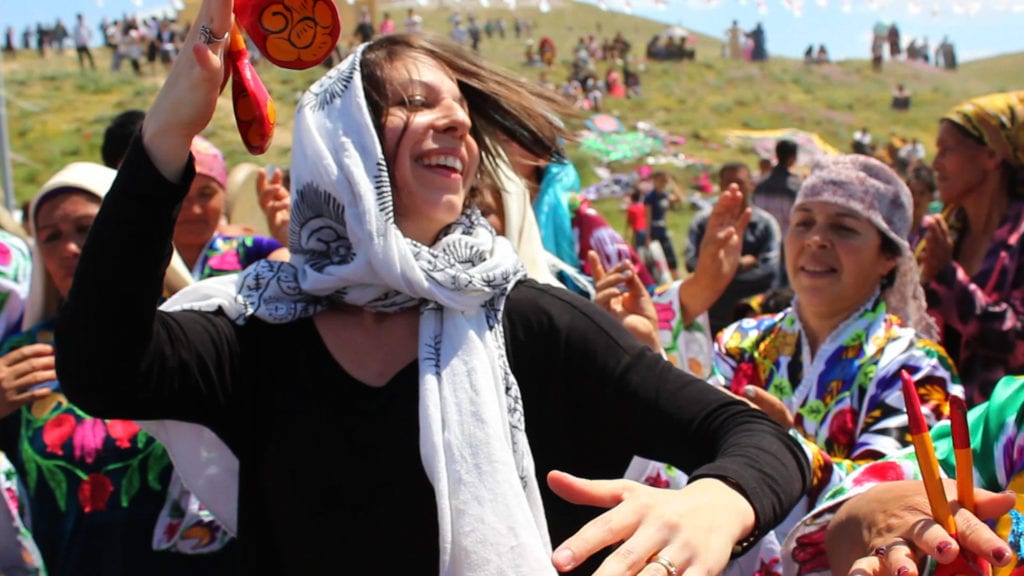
point(858, 516)
point(18, 551)
point(829, 366)
point(95, 487)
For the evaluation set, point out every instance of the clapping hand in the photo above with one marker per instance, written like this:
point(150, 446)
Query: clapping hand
point(632, 306)
point(938, 247)
point(721, 248)
point(276, 203)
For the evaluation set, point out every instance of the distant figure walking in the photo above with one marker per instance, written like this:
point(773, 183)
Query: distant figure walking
point(83, 36)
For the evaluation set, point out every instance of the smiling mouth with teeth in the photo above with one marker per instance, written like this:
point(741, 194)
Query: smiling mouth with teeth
point(452, 162)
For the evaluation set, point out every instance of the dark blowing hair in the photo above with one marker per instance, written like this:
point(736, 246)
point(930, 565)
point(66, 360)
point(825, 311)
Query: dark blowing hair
point(118, 136)
point(500, 105)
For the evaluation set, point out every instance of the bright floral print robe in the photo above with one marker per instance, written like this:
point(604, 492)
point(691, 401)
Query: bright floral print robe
point(18, 552)
point(688, 346)
point(848, 402)
point(230, 254)
point(84, 474)
point(997, 442)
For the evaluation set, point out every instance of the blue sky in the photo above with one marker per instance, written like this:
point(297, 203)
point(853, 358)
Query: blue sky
point(978, 28)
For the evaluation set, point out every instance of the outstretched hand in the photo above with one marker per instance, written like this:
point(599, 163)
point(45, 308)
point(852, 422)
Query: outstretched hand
point(633, 306)
point(886, 530)
point(188, 98)
point(694, 529)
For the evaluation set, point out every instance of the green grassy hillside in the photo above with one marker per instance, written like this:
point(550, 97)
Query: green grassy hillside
point(56, 114)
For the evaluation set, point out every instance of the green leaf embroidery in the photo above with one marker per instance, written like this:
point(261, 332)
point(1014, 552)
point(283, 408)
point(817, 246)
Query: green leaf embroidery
point(813, 411)
point(158, 460)
point(130, 484)
point(31, 470)
point(55, 478)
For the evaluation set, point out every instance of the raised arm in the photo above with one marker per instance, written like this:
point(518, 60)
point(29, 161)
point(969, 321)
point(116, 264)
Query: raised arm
point(718, 255)
point(188, 98)
point(119, 357)
point(594, 397)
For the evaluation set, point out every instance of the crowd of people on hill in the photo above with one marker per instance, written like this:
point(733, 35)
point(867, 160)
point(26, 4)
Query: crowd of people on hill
point(470, 363)
point(141, 41)
point(886, 38)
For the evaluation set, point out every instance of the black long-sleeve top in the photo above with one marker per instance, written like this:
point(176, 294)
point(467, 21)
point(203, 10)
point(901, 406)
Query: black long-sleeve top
point(330, 472)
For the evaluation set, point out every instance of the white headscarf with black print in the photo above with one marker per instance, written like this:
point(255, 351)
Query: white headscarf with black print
point(346, 247)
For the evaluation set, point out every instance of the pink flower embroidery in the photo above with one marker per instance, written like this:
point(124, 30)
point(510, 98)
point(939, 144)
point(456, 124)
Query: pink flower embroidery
point(225, 261)
point(88, 439)
point(5, 254)
point(665, 316)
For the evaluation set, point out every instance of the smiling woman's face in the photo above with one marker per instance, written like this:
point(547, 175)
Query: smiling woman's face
point(834, 258)
point(427, 142)
point(61, 227)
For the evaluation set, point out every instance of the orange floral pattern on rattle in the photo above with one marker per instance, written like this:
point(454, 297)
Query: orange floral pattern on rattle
point(296, 34)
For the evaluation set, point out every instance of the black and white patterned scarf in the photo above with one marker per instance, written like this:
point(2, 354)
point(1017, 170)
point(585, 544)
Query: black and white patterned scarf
point(345, 247)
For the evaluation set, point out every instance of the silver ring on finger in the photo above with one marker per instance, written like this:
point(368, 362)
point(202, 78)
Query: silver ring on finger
point(206, 35)
point(665, 563)
point(883, 550)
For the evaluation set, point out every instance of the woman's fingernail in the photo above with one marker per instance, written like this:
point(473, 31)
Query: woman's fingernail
point(943, 547)
point(902, 571)
point(563, 559)
point(750, 391)
point(1000, 555)
point(1010, 492)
